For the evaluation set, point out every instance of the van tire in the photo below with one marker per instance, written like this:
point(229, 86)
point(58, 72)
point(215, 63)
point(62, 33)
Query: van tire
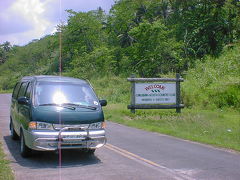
point(14, 135)
point(24, 150)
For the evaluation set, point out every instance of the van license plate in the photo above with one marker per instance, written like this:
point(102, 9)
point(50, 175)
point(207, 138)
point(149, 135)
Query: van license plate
point(66, 137)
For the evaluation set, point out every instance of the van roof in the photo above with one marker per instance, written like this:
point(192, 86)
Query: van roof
point(47, 78)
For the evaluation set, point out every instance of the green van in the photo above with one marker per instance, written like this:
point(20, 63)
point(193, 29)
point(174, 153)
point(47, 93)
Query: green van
point(49, 113)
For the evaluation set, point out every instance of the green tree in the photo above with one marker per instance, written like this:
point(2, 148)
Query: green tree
point(5, 49)
point(154, 51)
point(97, 63)
point(82, 33)
point(203, 25)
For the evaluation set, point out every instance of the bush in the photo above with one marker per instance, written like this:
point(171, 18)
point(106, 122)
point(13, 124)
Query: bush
point(215, 82)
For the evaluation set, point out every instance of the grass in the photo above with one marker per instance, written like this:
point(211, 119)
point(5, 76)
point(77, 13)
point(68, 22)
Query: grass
point(5, 170)
point(220, 128)
point(5, 91)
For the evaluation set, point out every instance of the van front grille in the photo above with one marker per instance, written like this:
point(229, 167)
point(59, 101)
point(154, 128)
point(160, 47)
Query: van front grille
point(71, 127)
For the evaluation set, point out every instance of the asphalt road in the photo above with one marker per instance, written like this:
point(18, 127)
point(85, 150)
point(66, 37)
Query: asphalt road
point(130, 154)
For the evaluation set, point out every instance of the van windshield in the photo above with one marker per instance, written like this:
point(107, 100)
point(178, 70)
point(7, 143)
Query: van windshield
point(64, 93)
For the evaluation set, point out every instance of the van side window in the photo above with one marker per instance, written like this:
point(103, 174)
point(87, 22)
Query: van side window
point(28, 91)
point(22, 89)
point(15, 91)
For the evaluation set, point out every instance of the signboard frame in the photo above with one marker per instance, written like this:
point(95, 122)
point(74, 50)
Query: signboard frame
point(133, 106)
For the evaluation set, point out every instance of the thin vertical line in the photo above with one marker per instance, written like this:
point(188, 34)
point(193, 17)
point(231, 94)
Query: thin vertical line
point(60, 38)
point(60, 74)
point(60, 50)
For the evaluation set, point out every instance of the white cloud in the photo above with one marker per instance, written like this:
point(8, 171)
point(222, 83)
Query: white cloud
point(31, 11)
point(24, 20)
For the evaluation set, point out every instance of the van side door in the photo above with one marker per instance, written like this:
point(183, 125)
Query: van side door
point(25, 111)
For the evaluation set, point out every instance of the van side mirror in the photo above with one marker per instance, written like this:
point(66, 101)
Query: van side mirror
point(23, 100)
point(103, 102)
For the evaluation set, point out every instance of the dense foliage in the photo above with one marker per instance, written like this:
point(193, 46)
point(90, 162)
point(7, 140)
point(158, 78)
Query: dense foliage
point(215, 83)
point(145, 37)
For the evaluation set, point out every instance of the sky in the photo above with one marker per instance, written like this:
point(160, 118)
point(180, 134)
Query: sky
point(21, 21)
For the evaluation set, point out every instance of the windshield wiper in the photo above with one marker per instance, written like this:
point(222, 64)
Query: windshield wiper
point(60, 105)
point(81, 106)
point(69, 106)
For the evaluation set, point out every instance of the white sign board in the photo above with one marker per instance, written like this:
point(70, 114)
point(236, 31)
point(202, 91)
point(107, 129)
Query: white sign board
point(155, 93)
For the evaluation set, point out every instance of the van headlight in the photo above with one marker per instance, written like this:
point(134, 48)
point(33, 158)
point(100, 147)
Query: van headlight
point(40, 126)
point(98, 125)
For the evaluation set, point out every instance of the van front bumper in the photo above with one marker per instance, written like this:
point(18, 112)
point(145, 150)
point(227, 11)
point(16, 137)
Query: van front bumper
point(53, 140)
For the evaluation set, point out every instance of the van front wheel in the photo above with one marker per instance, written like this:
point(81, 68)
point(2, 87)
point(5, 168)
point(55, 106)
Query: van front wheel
point(24, 150)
